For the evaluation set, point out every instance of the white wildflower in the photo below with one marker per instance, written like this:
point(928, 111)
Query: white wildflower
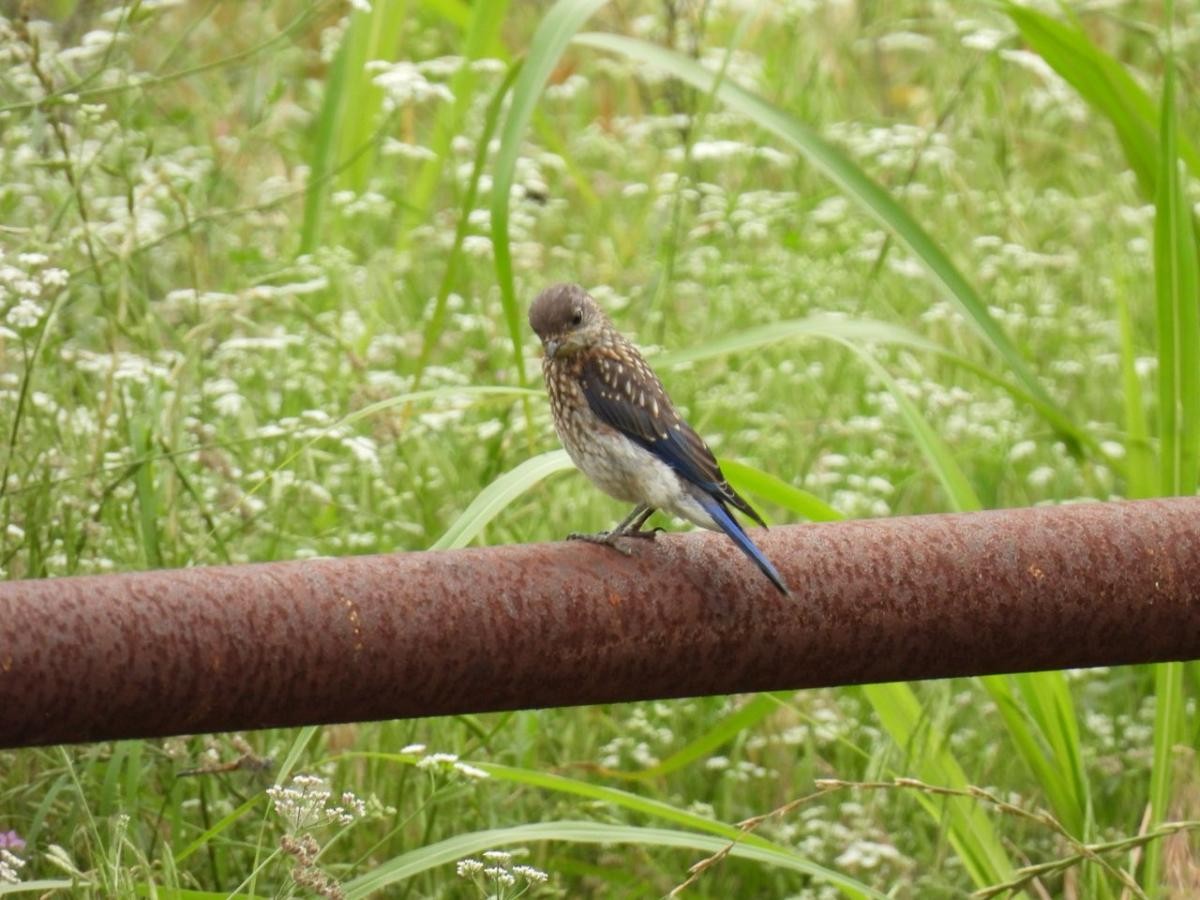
point(404, 83)
point(500, 875)
point(1112, 449)
point(305, 804)
point(488, 65)
point(229, 404)
point(393, 147)
point(867, 855)
point(354, 807)
point(468, 868)
point(25, 315)
point(10, 867)
point(880, 485)
point(984, 39)
point(907, 40)
point(1041, 476)
point(1021, 450)
point(489, 429)
point(442, 66)
point(568, 89)
point(363, 449)
point(830, 210)
point(530, 874)
point(473, 772)
point(477, 245)
point(437, 761)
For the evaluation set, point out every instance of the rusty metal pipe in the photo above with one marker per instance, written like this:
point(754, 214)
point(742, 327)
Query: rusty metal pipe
point(423, 634)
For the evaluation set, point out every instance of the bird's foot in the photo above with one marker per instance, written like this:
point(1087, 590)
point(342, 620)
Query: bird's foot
point(607, 538)
point(644, 533)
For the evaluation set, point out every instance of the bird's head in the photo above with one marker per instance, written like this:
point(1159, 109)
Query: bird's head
point(567, 320)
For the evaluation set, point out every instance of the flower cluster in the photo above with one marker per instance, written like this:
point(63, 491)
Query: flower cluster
point(306, 873)
point(306, 804)
point(443, 763)
point(10, 863)
point(27, 281)
point(496, 875)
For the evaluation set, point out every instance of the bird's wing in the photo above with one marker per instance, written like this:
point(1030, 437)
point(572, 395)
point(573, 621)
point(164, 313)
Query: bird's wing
point(625, 394)
point(728, 524)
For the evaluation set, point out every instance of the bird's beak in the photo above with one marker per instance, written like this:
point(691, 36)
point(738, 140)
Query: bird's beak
point(551, 346)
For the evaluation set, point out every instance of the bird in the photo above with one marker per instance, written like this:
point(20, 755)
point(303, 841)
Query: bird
point(622, 431)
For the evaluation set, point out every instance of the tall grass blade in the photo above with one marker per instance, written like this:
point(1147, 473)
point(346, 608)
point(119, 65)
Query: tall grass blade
point(1141, 468)
point(557, 28)
point(939, 456)
point(583, 832)
point(858, 331)
point(482, 23)
point(492, 500)
point(349, 109)
point(1177, 290)
point(870, 196)
point(437, 320)
point(378, 38)
point(1105, 85)
point(1045, 736)
point(749, 480)
point(1178, 315)
point(725, 730)
point(299, 745)
point(457, 12)
point(140, 442)
point(617, 797)
point(1169, 710)
point(224, 824)
point(159, 892)
point(41, 887)
point(969, 829)
point(1048, 699)
point(868, 331)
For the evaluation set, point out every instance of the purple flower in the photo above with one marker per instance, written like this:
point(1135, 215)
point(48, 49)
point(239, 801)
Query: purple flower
point(10, 840)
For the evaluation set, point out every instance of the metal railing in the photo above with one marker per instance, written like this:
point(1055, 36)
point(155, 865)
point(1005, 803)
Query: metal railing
point(424, 634)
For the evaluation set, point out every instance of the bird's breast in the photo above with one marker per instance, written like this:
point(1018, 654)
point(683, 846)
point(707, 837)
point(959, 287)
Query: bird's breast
point(612, 461)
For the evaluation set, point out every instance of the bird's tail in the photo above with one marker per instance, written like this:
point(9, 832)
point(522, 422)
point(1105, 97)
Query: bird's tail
point(730, 526)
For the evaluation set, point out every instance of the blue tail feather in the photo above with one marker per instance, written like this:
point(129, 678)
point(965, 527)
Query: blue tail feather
point(735, 531)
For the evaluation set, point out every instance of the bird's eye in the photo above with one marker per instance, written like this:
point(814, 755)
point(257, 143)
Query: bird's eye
point(577, 317)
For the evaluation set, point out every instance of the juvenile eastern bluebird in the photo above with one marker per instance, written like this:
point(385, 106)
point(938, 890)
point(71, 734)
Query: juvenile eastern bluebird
point(620, 428)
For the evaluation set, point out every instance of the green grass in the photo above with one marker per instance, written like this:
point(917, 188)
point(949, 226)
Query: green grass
point(258, 303)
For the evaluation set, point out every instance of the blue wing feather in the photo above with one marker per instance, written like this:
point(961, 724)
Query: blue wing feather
point(626, 395)
point(730, 526)
point(681, 455)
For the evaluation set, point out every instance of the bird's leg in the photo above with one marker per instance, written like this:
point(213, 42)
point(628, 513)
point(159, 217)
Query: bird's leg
point(640, 513)
point(635, 530)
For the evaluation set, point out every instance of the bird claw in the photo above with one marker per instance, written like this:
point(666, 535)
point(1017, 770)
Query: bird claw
point(644, 533)
point(607, 538)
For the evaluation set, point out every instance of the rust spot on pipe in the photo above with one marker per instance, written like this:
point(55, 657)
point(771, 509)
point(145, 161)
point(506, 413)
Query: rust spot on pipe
point(422, 634)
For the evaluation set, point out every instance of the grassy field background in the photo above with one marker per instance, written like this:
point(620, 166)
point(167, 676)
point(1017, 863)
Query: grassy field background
point(905, 257)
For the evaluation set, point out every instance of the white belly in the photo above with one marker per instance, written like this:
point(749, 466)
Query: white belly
point(613, 462)
point(628, 472)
